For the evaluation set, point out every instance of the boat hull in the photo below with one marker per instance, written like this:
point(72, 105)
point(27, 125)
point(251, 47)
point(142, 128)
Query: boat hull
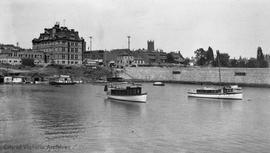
point(132, 98)
point(236, 96)
point(158, 84)
point(62, 83)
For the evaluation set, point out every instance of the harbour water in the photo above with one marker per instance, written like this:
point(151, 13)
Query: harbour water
point(79, 118)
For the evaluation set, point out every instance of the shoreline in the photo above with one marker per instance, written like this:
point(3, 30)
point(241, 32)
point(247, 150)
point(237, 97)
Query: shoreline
point(203, 83)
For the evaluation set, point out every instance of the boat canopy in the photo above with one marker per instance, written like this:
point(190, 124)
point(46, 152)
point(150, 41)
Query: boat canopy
point(115, 79)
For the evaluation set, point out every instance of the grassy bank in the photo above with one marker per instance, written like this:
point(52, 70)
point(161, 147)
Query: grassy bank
point(85, 73)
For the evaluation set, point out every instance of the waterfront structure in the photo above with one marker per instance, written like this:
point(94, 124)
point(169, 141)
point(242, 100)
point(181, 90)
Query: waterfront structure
point(60, 45)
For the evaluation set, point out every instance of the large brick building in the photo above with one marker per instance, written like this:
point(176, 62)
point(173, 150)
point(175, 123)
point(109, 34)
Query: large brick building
point(60, 45)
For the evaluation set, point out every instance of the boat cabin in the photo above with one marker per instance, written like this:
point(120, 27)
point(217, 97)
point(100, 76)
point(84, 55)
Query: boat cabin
point(115, 79)
point(208, 91)
point(127, 91)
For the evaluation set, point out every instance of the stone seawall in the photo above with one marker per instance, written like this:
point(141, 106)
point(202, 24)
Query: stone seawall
point(209, 75)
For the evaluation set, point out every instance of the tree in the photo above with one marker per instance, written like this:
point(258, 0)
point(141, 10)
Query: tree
point(170, 58)
point(233, 62)
point(28, 62)
point(210, 55)
point(252, 63)
point(201, 57)
point(260, 58)
point(186, 61)
point(222, 59)
point(241, 62)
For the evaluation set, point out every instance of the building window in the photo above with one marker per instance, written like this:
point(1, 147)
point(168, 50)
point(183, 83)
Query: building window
point(72, 57)
point(76, 44)
point(72, 50)
point(76, 62)
point(63, 49)
point(63, 56)
point(76, 50)
point(76, 56)
point(63, 62)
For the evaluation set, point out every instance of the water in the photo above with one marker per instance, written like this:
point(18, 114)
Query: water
point(36, 118)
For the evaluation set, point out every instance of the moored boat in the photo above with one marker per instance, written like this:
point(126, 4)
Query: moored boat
point(158, 84)
point(61, 80)
point(124, 91)
point(227, 92)
point(217, 93)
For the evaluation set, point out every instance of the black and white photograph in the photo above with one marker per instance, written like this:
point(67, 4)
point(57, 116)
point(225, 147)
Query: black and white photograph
point(134, 76)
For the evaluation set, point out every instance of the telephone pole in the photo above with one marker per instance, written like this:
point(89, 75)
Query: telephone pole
point(90, 43)
point(128, 42)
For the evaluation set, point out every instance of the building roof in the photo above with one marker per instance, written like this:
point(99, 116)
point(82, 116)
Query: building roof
point(58, 33)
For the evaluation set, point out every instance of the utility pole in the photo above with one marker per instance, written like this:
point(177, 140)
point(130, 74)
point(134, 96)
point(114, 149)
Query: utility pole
point(128, 42)
point(90, 43)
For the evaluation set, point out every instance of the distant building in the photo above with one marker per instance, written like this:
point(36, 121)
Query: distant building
point(124, 60)
point(38, 56)
point(151, 58)
point(111, 57)
point(267, 58)
point(177, 57)
point(60, 45)
point(150, 45)
point(10, 60)
point(8, 47)
point(94, 54)
point(14, 57)
point(138, 61)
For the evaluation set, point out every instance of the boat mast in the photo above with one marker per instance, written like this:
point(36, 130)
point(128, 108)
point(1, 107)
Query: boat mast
point(219, 68)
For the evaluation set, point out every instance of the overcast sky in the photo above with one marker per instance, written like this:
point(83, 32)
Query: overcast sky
point(237, 27)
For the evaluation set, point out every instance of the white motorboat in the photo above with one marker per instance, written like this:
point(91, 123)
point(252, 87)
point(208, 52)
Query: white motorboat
point(125, 91)
point(217, 93)
point(158, 84)
point(227, 92)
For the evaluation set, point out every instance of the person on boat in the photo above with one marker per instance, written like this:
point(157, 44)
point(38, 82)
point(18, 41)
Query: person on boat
point(106, 87)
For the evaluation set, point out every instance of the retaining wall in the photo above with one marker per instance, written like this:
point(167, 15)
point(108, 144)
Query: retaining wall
point(241, 76)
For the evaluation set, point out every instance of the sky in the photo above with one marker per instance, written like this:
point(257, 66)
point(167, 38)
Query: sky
point(236, 27)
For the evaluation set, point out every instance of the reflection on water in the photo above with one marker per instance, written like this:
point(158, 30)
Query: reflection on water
point(57, 118)
point(81, 117)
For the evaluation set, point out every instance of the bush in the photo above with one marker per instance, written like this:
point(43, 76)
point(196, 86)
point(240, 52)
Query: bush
point(28, 62)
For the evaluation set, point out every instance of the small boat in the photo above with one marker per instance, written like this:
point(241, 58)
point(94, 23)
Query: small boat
point(125, 91)
point(226, 92)
point(61, 80)
point(158, 84)
point(217, 93)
